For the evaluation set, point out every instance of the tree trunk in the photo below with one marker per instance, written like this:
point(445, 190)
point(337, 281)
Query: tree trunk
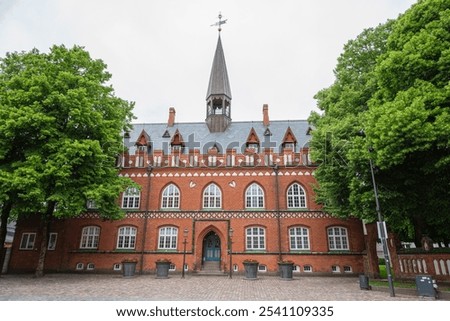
point(418, 231)
point(44, 231)
point(6, 210)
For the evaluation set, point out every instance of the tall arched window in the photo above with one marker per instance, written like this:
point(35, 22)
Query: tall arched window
point(168, 238)
point(254, 196)
point(171, 197)
point(296, 197)
point(255, 238)
point(126, 238)
point(337, 238)
point(212, 197)
point(131, 198)
point(89, 237)
point(299, 238)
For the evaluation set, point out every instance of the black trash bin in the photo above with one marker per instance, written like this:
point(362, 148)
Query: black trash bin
point(364, 282)
point(425, 286)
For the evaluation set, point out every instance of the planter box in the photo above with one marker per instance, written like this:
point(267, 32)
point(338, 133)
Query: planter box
point(286, 270)
point(162, 270)
point(128, 269)
point(251, 270)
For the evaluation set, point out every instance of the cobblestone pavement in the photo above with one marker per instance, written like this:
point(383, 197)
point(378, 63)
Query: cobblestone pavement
point(99, 287)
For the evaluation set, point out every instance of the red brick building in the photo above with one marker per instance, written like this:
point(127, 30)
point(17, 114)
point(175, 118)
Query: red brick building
point(199, 181)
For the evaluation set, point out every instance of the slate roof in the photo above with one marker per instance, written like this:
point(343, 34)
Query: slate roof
point(197, 135)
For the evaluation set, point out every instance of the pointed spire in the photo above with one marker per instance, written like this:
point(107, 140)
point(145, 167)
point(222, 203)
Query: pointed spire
point(218, 80)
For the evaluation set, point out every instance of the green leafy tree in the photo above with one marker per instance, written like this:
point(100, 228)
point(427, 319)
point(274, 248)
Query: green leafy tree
point(60, 126)
point(335, 142)
point(393, 82)
point(408, 124)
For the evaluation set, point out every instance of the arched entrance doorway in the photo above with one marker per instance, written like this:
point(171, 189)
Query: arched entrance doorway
point(211, 247)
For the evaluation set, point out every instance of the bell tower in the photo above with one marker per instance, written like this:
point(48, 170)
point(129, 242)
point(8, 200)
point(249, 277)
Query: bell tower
point(218, 96)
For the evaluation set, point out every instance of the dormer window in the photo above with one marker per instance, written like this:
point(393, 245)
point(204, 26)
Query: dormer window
point(253, 147)
point(289, 146)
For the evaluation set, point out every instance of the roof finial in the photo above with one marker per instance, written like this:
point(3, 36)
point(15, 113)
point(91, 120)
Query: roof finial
point(220, 22)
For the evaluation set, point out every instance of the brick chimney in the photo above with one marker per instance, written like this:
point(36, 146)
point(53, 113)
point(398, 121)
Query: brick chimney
point(266, 115)
point(171, 120)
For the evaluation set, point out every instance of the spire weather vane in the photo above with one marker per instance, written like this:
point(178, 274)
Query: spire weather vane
point(220, 22)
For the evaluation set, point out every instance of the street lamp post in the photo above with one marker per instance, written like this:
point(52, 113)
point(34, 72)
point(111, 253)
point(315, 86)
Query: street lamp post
point(382, 232)
point(230, 234)
point(185, 234)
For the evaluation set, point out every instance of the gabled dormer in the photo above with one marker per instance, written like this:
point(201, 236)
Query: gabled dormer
point(289, 140)
point(252, 143)
point(143, 143)
point(177, 142)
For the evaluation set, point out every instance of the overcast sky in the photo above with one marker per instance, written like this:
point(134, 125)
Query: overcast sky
point(160, 52)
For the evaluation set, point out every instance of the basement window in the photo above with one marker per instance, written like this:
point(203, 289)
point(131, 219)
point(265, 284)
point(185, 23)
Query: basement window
point(262, 268)
point(307, 268)
point(347, 269)
point(335, 269)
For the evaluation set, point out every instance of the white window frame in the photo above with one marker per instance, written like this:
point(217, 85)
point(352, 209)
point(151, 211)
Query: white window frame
point(255, 237)
point(126, 237)
point(335, 269)
point(90, 236)
point(299, 238)
point(307, 268)
point(28, 241)
point(171, 197)
point(168, 238)
point(79, 266)
point(254, 196)
point(131, 198)
point(212, 196)
point(52, 239)
point(296, 196)
point(337, 238)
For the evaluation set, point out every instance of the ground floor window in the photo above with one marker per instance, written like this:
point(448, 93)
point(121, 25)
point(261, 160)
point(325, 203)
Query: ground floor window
point(168, 238)
point(337, 238)
point(89, 237)
point(126, 238)
point(27, 242)
point(255, 238)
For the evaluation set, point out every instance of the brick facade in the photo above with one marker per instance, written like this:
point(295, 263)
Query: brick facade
point(199, 222)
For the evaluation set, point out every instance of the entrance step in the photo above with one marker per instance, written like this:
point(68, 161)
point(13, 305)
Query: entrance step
point(211, 268)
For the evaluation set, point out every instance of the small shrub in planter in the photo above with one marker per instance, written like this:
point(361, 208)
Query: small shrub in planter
point(129, 267)
point(251, 269)
point(162, 268)
point(286, 268)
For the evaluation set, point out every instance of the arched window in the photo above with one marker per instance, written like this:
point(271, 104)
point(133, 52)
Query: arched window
point(131, 198)
point(89, 237)
point(171, 197)
point(337, 238)
point(255, 238)
point(212, 197)
point(126, 238)
point(299, 238)
point(168, 238)
point(254, 196)
point(296, 197)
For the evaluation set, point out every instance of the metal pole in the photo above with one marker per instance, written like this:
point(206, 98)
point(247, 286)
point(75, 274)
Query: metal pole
point(382, 233)
point(230, 233)
point(184, 253)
